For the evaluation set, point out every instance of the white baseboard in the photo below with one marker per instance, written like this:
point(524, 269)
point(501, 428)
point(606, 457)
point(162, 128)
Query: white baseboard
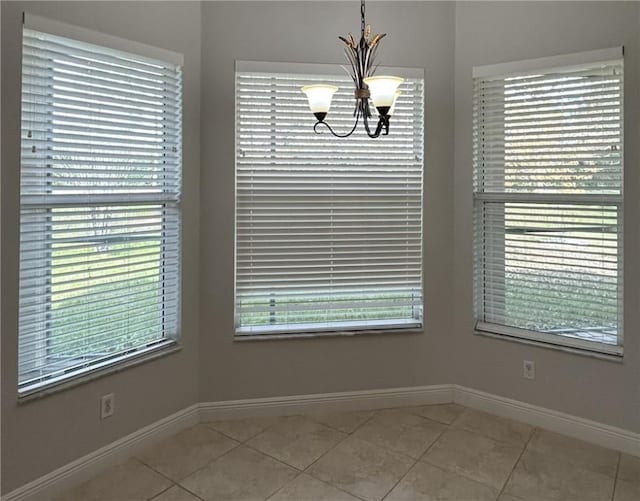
point(327, 402)
point(601, 434)
point(80, 470)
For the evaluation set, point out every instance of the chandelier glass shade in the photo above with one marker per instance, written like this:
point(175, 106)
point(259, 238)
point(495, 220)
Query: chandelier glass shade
point(381, 90)
point(319, 97)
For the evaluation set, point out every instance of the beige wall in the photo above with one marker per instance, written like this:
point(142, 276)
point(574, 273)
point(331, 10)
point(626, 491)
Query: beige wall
point(42, 435)
point(504, 31)
point(419, 35)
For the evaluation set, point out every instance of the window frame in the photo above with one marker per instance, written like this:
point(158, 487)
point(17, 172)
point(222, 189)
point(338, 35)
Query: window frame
point(556, 341)
point(166, 344)
point(307, 330)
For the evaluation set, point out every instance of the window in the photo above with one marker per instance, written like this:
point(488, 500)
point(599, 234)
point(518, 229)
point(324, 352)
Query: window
point(99, 204)
point(548, 165)
point(328, 231)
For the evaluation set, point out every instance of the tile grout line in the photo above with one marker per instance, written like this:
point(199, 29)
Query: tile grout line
point(250, 447)
point(298, 470)
point(389, 449)
point(283, 486)
point(355, 496)
point(373, 415)
point(315, 478)
point(417, 460)
point(458, 473)
point(476, 433)
point(174, 482)
point(210, 424)
point(163, 491)
point(255, 449)
point(482, 435)
point(245, 443)
point(346, 435)
point(136, 458)
point(444, 423)
point(190, 492)
point(239, 444)
point(459, 416)
point(349, 434)
point(180, 487)
point(615, 480)
point(500, 441)
point(515, 465)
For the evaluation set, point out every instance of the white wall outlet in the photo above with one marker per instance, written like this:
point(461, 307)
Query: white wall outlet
point(528, 369)
point(107, 405)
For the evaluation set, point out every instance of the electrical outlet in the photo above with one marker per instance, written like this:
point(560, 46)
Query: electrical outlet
point(528, 369)
point(107, 405)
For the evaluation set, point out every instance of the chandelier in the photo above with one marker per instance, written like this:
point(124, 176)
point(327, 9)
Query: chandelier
point(382, 90)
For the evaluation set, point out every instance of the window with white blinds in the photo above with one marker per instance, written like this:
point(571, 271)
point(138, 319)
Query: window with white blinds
point(548, 172)
point(328, 231)
point(99, 207)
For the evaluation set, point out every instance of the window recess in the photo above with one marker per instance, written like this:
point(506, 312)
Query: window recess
point(99, 202)
point(328, 232)
point(548, 199)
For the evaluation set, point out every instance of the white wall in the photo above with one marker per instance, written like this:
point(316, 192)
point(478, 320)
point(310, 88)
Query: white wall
point(505, 31)
point(45, 434)
point(419, 35)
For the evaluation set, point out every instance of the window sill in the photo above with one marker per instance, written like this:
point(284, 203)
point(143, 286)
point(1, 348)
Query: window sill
point(90, 374)
point(551, 346)
point(326, 334)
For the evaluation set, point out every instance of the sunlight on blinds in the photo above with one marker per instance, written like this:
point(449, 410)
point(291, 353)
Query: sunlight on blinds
point(548, 167)
point(328, 231)
point(99, 196)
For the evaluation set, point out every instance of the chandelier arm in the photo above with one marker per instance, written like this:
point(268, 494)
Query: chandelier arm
point(355, 125)
point(368, 130)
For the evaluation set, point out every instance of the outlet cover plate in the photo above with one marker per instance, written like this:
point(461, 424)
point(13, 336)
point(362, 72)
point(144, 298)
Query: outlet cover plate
point(107, 405)
point(528, 369)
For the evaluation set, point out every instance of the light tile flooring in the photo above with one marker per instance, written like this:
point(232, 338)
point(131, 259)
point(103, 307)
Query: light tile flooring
point(436, 452)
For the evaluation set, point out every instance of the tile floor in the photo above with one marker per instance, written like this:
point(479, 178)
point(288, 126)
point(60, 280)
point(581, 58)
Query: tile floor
point(435, 452)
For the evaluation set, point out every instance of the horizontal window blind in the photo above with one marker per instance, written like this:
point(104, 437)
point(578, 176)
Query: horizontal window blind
point(548, 169)
point(328, 231)
point(99, 200)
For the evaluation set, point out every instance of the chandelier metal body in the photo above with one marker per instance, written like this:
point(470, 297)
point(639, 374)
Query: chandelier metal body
point(382, 90)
